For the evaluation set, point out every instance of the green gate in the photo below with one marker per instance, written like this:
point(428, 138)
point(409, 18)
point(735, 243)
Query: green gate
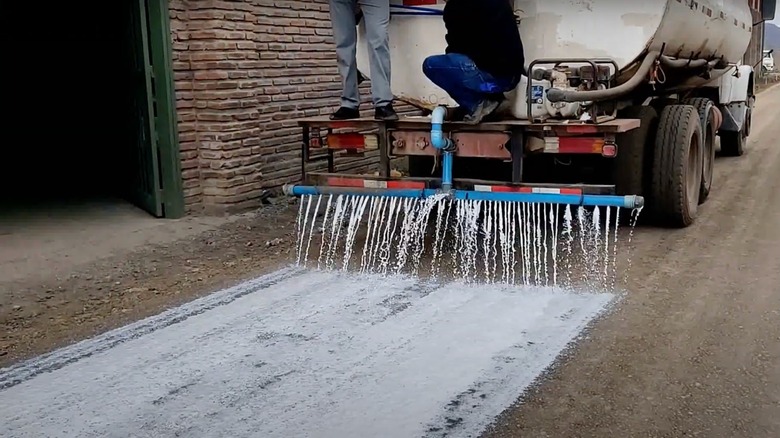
point(155, 176)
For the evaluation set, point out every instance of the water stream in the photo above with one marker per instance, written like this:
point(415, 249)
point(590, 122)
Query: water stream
point(474, 241)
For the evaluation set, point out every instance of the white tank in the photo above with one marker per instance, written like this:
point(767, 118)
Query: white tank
point(619, 29)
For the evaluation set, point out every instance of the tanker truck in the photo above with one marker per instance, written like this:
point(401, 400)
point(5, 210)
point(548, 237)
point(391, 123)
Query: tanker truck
point(623, 104)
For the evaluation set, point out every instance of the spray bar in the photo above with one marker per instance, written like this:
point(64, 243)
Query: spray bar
point(447, 147)
point(541, 198)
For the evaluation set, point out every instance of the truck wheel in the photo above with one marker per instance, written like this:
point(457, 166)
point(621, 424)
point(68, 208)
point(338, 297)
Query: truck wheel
point(676, 182)
point(705, 108)
point(629, 166)
point(749, 118)
point(732, 144)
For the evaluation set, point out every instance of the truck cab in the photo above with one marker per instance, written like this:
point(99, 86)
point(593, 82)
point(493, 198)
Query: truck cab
point(768, 62)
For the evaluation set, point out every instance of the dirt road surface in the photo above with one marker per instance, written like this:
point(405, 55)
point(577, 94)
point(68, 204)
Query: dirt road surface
point(693, 349)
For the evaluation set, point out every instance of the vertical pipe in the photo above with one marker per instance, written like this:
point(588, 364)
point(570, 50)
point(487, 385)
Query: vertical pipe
point(443, 144)
point(446, 171)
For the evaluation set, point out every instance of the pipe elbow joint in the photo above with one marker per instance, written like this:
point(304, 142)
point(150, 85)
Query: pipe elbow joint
point(438, 140)
point(438, 114)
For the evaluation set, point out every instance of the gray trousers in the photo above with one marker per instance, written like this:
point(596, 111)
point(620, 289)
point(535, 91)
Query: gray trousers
point(376, 14)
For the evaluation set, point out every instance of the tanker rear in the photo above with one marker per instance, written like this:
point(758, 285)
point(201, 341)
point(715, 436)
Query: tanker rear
point(615, 29)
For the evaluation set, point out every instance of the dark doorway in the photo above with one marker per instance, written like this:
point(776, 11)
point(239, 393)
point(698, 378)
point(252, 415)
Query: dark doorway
point(89, 105)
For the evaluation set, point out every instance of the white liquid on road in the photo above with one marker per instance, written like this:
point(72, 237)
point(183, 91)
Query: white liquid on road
point(305, 354)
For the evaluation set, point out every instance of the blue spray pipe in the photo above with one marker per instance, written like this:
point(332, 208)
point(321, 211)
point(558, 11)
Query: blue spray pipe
point(541, 198)
point(444, 144)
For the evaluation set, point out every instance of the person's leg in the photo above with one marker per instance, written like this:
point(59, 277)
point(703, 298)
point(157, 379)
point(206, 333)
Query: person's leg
point(452, 74)
point(464, 82)
point(342, 17)
point(376, 14)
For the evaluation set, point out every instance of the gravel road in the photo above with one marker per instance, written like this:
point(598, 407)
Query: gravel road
point(694, 349)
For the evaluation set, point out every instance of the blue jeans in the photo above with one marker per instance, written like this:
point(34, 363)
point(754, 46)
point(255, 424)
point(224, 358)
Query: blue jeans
point(463, 81)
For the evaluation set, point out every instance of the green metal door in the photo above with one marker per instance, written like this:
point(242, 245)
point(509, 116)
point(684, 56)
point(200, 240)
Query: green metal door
point(144, 170)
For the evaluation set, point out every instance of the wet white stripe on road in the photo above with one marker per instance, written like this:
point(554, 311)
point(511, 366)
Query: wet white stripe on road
point(303, 354)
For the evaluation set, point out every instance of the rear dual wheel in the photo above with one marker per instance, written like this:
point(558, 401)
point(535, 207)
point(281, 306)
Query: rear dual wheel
point(677, 166)
point(706, 109)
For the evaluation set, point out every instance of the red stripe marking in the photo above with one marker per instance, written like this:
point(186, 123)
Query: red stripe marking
point(513, 189)
point(360, 183)
point(405, 185)
point(345, 182)
point(509, 189)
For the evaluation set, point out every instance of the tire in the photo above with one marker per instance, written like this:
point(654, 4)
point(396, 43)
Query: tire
point(732, 144)
point(676, 174)
point(705, 108)
point(630, 171)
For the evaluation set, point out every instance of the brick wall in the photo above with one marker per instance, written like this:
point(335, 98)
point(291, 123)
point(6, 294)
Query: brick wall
point(244, 72)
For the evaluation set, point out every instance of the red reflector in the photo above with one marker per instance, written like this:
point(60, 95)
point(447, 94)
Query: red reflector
point(580, 145)
point(346, 141)
point(609, 150)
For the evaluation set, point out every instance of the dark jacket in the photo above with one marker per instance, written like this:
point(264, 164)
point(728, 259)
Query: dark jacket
point(486, 31)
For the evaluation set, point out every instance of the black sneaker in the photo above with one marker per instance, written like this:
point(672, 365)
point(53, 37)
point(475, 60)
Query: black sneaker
point(345, 113)
point(386, 113)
